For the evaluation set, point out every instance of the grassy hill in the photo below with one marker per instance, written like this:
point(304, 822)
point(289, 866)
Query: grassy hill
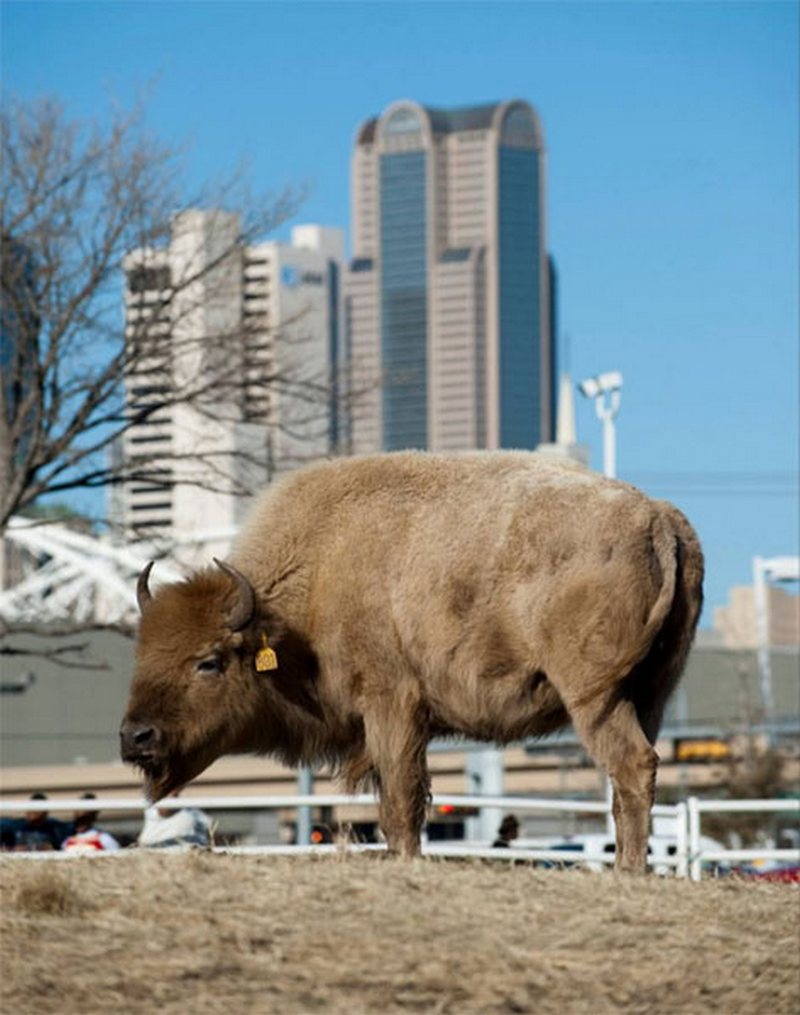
point(209, 933)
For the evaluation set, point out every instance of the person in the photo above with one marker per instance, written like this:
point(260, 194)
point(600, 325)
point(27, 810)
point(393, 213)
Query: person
point(163, 826)
point(35, 831)
point(87, 837)
point(508, 831)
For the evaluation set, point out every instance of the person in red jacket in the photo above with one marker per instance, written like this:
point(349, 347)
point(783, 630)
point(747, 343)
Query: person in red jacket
point(87, 837)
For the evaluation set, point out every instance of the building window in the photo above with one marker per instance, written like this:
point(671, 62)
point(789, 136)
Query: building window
point(161, 505)
point(154, 523)
point(142, 279)
point(154, 438)
point(402, 121)
point(520, 298)
point(518, 130)
point(404, 300)
point(150, 389)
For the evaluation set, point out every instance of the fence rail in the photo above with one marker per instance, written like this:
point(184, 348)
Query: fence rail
point(688, 857)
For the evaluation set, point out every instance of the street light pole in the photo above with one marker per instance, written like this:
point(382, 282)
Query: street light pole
point(607, 407)
point(606, 392)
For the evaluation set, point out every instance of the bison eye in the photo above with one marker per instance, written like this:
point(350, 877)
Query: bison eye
point(211, 665)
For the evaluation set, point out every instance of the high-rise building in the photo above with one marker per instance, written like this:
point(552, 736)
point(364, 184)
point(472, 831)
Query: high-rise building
point(449, 311)
point(736, 623)
point(206, 305)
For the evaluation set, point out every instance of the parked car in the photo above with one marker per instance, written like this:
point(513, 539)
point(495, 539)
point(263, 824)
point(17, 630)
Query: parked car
point(787, 875)
point(771, 870)
point(596, 852)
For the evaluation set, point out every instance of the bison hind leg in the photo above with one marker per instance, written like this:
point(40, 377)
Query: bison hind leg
point(648, 688)
point(612, 734)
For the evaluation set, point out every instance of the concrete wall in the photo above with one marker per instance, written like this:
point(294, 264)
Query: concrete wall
point(71, 716)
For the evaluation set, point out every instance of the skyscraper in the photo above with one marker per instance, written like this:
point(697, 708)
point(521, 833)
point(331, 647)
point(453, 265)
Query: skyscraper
point(206, 304)
point(448, 292)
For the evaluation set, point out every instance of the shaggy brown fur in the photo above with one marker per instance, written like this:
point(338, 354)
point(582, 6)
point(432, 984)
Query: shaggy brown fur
point(495, 595)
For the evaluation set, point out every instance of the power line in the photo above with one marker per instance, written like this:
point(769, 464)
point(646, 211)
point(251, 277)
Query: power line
point(721, 475)
point(718, 482)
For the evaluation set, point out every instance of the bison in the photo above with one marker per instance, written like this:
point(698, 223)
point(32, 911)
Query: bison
point(371, 604)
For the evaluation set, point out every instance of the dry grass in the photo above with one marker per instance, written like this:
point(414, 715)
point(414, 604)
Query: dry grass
point(204, 933)
point(47, 892)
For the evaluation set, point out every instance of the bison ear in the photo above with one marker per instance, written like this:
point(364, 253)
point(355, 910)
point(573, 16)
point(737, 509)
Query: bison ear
point(143, 596)
point(242, 613)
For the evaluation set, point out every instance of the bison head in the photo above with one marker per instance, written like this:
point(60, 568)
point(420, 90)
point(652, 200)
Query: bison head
point(196, 688)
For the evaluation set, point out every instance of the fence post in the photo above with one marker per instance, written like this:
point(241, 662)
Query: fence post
point(695, 865)
point(484, 773)
point(682, 840)
point(304, 788)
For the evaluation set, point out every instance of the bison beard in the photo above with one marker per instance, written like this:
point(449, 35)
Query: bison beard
point(373, 603)
point(163, 778)
point(165, 772)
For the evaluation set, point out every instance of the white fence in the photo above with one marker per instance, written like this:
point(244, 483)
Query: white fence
point(687, 854)
point(697, 807)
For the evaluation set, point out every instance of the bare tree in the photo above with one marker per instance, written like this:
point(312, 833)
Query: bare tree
point(85, 210)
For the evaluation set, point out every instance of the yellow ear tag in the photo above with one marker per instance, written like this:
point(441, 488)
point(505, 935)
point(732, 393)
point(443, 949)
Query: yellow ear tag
point(265, 657)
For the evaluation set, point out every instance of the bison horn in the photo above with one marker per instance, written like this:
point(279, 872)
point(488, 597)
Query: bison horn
point(143, 596)
point(243, 611)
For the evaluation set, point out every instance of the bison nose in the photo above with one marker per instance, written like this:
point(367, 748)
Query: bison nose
point(136, 739)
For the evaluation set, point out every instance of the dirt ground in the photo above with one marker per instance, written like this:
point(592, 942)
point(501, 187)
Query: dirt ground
point(208, 933)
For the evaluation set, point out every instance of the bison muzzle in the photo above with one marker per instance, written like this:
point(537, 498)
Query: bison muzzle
point(374, 603)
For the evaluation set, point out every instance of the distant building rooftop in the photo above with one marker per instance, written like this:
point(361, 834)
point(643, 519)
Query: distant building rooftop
point(443, 121)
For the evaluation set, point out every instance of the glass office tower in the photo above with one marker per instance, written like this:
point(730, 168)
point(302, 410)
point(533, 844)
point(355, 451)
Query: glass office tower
point(404, 302)
point(449, 309)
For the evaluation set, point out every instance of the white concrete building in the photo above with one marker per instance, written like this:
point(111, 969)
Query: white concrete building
point(736, 623)
point(269, 315)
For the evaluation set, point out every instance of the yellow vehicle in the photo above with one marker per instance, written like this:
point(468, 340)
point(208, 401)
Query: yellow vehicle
point(702, 750)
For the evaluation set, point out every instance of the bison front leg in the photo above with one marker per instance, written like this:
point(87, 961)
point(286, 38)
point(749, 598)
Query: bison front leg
point(397, 738)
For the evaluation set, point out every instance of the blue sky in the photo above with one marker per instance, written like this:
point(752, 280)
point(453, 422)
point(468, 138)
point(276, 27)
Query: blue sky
point(672, 139)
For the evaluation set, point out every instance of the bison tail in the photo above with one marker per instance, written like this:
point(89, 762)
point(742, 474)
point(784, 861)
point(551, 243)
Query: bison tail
point(653, 680)
point(663, 553)
point(654, 653)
